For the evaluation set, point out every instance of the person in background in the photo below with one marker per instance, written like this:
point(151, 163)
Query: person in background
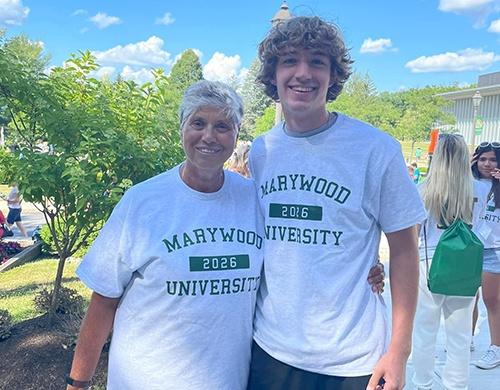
point(449, 192)
point(239, 160)
point(411, 171)
point(416, 172)
point(14, 201)
point(485, 167)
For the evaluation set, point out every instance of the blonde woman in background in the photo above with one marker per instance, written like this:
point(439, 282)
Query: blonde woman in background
point(450, 192)
point(239, 160)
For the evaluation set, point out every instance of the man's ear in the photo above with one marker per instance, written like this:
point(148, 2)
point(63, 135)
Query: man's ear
point(273, 80)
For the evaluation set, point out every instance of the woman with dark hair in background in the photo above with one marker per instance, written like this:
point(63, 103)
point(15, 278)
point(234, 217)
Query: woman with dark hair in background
point(485, 167)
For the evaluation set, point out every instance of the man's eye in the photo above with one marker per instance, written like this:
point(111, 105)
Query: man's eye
point(318, 61)
point(288, 61)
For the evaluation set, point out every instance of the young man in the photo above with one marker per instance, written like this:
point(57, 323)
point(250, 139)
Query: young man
point(328, 185)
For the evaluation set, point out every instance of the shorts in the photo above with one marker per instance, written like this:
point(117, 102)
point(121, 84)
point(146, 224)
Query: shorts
point(491, 260)
point(14, 216)
point(267, 373)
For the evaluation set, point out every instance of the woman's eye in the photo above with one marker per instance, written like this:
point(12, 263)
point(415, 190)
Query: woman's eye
point(222, 127)
point(197, 124)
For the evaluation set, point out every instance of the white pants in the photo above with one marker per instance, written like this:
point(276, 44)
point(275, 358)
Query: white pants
point(457, 313)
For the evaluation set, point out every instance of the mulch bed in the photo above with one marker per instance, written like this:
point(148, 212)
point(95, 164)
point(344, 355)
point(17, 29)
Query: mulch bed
point(35, 356)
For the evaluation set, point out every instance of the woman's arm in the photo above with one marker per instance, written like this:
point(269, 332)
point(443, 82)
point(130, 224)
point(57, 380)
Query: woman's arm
point(93, 334)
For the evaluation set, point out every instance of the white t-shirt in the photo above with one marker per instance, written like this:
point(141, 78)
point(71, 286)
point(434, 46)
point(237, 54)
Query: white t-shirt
point(325, 199)
point(434, 233)
point(187, 268)
point(491, 220)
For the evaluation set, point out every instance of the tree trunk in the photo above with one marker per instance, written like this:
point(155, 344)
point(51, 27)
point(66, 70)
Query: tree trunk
point(57, 286)
point(411, 153)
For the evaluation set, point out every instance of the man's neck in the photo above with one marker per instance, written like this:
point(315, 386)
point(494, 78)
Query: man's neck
point(303, 124)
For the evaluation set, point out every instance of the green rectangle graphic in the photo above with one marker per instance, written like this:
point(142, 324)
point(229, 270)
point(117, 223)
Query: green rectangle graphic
point(218, 263)
point(295, 211)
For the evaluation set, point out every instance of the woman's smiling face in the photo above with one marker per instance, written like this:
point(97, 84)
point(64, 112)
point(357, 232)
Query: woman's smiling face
point(486, 163)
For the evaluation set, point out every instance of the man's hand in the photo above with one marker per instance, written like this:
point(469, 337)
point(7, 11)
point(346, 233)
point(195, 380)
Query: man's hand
point(376, 278)
point(391, 371)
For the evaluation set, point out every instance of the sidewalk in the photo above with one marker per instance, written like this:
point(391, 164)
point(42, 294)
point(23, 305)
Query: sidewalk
point(479, 379)
point(31, 218)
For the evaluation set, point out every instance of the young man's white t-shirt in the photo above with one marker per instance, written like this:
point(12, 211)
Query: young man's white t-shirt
point(187, 267)
point(325, 199)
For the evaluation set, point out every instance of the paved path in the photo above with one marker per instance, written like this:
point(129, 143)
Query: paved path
point(479, 379)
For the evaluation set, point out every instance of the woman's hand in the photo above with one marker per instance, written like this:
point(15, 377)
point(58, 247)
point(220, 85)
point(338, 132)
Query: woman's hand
point(376, 278)
point(495, 173)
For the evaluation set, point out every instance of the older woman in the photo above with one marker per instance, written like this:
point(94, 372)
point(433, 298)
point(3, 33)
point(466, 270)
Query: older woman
point(176, 268)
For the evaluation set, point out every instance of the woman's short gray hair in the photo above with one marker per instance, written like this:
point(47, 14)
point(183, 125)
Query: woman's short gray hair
point(206, 93)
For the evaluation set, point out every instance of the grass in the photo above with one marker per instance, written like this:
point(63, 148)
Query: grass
point(410, 157)
point(19, 285)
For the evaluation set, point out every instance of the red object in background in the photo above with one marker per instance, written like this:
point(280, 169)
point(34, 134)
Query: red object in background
point(434, 140)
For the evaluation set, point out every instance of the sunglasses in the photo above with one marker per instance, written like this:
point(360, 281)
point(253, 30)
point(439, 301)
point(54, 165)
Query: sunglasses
point(494, 145)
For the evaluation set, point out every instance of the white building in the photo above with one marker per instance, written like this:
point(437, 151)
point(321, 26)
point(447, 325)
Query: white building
point(488, 110)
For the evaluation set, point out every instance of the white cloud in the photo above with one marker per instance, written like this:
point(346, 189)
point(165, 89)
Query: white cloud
point(84, 30)
point(12, 12)
point(477, 10)
point(376, 45)
point(102, 20)
point(462, 5)
point(140, 76)
point(165, 19)
point(223, 68)
point(464, 60)
point(79, 12)
point(104, 72)
point(495, 26)
point(143, 53)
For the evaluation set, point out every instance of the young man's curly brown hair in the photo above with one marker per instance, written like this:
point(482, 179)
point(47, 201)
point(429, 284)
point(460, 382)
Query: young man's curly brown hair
point(304, 32)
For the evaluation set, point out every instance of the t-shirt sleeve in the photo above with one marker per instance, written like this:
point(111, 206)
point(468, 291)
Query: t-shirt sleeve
point(400, 205)
point(105, 268)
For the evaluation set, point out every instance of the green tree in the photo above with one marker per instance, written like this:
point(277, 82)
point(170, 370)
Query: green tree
point(186, 71)
point(361, 100)
point(81, 142)
point(254, 99)
point(419, 110)
point(265, 122)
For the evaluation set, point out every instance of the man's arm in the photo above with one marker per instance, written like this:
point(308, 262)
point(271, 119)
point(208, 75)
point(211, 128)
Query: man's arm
point(93, 334)
point(403, 275)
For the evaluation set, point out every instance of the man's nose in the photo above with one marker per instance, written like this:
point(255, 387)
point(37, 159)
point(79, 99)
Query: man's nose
point(303, 70)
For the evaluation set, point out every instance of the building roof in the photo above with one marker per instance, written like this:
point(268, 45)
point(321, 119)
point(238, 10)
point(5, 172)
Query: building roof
point(468, 93)
point(487, 85)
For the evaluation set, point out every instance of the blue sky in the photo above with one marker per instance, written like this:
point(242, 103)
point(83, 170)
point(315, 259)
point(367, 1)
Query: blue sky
point(398, 43)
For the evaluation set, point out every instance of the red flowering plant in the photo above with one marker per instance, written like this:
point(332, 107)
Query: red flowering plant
point(8, 249)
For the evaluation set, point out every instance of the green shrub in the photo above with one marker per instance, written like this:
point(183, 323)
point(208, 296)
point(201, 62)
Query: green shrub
point(70, 302)
point(49, 246)
point(5, 324)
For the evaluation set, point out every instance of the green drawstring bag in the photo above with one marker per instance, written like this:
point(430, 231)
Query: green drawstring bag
point(457, 264)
